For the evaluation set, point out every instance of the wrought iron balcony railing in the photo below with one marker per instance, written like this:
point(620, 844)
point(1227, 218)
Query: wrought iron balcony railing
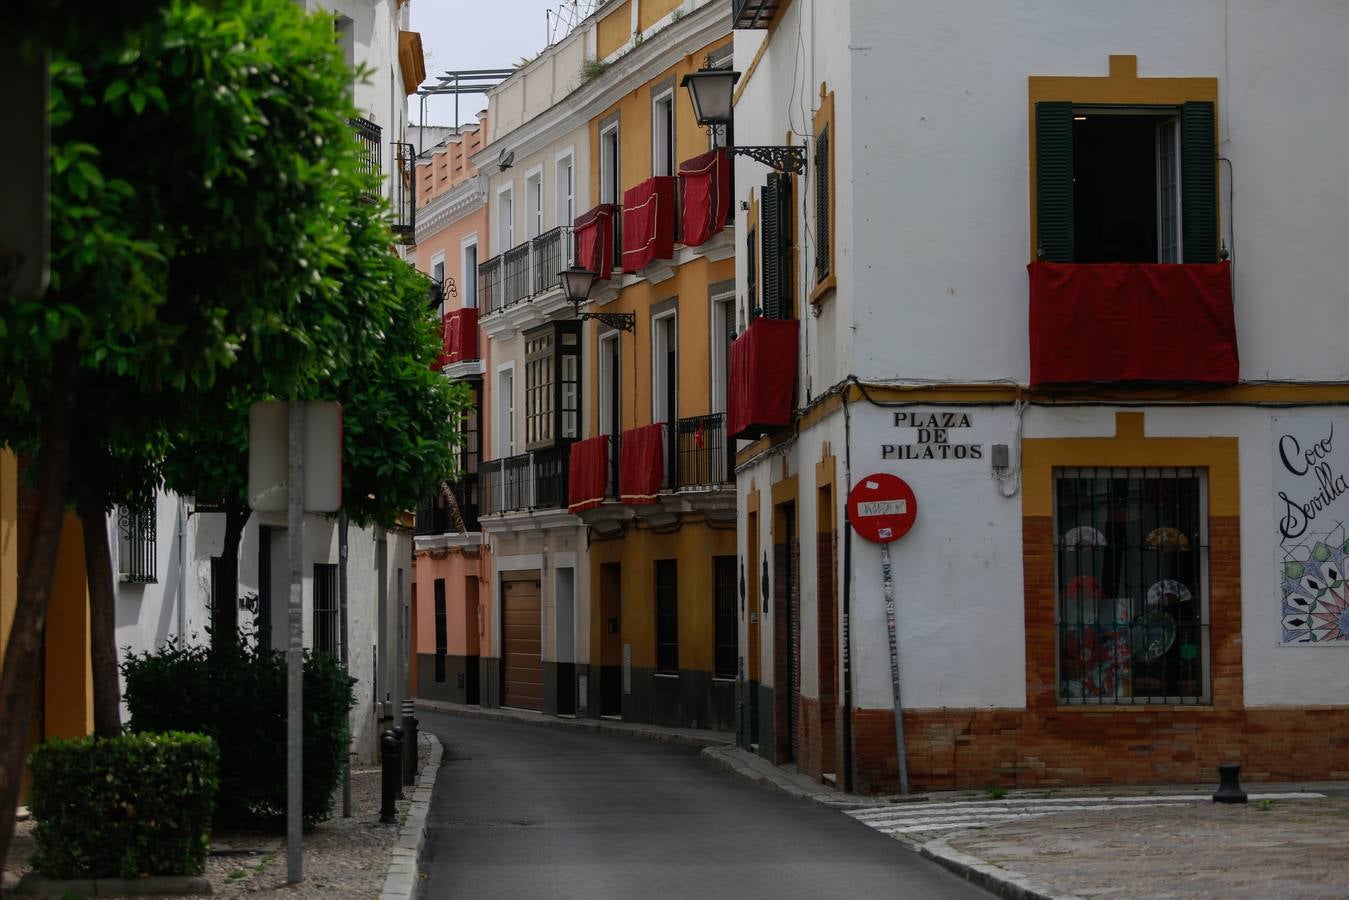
point(404, 194)
point(437, 515)
point(526, 270)
point(368, 143)
point(703, 457)
point(535, 480)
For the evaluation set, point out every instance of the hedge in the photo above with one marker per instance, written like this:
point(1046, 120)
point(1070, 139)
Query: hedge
point(137, 804)
point(238, 697)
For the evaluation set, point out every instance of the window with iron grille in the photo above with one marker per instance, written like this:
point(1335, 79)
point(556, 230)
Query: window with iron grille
point(822, 206)
point(326, 623)
point(667, 617)
point(726, 638)
point(442, 635)
point(136, 559)
point(1131, 581)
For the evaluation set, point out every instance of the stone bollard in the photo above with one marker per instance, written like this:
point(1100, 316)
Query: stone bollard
point(409, 744)
point(1229, 787)
point(389, 758)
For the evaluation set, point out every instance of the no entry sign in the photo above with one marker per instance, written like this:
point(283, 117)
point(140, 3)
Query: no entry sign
point(882, 508)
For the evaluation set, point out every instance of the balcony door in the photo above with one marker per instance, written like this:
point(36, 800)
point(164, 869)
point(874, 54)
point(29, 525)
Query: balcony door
point(723, 331)
point(611, 420)
point(505, 413)
point(534, 205)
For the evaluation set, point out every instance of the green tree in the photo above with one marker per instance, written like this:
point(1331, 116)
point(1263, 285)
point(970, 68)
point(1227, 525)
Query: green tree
point(203, 182)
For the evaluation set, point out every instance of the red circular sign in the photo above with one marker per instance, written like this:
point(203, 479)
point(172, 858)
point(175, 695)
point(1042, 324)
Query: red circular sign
point(882, 508)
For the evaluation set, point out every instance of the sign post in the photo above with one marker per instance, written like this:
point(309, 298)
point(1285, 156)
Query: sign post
point(882, 509)
point(289, 445)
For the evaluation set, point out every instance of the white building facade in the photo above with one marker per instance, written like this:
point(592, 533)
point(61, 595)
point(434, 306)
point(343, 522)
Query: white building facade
point(1068, 270)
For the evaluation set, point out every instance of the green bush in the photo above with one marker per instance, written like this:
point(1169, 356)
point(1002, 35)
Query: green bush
point(131, 805)
point(238, 697)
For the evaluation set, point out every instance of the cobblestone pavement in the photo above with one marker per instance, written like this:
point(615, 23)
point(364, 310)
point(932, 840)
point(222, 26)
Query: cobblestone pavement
point(1269, 849)
point(342, 857)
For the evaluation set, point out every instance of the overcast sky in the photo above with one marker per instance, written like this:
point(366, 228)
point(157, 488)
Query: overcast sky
point(476, 34)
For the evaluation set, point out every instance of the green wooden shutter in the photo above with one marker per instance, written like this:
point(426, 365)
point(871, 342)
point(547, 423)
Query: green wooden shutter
point(775, 226)
point(1054, 180)
point(752, 272)
point(822, 236)
point(1198, 183)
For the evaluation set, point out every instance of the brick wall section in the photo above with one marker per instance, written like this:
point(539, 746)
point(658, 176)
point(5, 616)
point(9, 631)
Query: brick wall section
point(1049, 745)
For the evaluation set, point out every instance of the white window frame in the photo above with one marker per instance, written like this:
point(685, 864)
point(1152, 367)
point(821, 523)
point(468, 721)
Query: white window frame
point(438, 259)
point(663, 144)
point(534, 205)
point(503, 413)
point(607, 374)
point(506, 221)
point(468, 291)
point(722, 318)
point(564, 209)
point(608, 179)
point(658, 324)
point(1175, 207)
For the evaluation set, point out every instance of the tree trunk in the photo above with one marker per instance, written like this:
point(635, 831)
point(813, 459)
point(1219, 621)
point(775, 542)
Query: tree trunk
point(25, 637)
point(225, 579)
point(102, 611)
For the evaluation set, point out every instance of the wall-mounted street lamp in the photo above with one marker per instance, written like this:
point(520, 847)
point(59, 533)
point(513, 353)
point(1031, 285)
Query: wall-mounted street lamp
point(710, 91)
point(576, 282)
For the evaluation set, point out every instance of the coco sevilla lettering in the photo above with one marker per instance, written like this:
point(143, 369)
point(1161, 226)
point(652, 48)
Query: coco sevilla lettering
point(932, 437)
point(1325, 484)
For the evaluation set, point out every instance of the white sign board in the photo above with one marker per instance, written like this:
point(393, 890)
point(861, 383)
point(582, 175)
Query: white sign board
point(268, 442)
point(1311, 505)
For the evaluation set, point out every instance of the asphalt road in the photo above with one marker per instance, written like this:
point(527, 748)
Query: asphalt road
point(524, 811)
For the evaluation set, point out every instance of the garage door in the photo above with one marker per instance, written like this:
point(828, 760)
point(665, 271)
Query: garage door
point(523, 661)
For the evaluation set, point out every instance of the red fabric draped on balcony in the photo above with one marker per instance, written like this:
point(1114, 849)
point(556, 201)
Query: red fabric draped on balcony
point(461, 335)
point(648, 222)
point(641, 463)
point(763, 378)
point(588, 473)
point(1132, 322)
point(705, 183)
point(594, 232)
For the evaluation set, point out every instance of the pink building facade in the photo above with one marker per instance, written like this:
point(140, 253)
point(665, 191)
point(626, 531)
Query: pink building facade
point(452, 566)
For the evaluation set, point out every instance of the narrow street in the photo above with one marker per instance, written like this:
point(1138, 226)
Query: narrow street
point(525, 811)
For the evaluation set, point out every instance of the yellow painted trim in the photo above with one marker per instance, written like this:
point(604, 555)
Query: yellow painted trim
point(1121, 87)
point(763, 48)
point(785, 491)
point(824, 482)
point(1130, 447)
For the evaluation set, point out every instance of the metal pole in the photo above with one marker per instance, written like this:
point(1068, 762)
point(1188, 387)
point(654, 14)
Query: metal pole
point(342, 599)
point(295, 645)
point(888, 580)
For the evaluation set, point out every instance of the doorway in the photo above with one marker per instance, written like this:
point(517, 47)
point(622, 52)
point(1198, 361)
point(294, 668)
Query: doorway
point(611, 639)
point(786, 636)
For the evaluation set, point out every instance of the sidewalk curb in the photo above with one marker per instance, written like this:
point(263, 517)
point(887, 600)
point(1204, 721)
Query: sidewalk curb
point(1003, 882)
point(728, 759)
point(402, 878)
point(655, 733)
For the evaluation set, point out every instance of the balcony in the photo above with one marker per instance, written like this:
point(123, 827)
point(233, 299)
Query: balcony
point(705, 206)
point(368, 143)
point(450, 511)
point(596, 239)
point(649, 226)
point(1132, 323)
point(460, 337)
point(523, 277)
point(704, 458)
point(404, 196)
point(763, 378)
point(751, 14)
point(529, 484)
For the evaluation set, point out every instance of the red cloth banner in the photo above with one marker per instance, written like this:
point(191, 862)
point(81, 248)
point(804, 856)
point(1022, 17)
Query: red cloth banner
point(705, 186)
point(594, 232)
point(588, 473)
point(1113, 322)
point(461, 335)
point(763, 378)
point(648, 222)
point(641, 463)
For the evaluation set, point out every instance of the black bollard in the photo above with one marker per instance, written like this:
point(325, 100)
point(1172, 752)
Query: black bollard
point(409, 744)
point(398, 733)
point(1229, 787)
point(389, 777)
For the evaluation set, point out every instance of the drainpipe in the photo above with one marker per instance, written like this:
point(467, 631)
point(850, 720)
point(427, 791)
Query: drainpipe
point(182, 569)
point(342, 602)
point(847, 603)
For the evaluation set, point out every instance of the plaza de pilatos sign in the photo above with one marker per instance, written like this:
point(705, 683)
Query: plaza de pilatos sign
point(933, 438)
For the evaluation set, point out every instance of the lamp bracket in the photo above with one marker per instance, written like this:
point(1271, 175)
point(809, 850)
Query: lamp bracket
point(791, 160)
point(621, 321)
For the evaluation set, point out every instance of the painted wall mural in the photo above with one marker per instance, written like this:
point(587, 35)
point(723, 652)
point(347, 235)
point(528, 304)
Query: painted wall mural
point(1311, 493)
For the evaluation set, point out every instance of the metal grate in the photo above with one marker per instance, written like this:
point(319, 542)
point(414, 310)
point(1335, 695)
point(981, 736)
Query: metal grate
point(326, 611)
point(1131, 571)
point(136, 559)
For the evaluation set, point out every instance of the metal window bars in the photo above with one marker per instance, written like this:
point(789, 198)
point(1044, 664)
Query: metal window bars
point(1131, 570)
point(136, 544)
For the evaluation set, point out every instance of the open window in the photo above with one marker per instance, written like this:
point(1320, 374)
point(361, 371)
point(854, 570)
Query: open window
point(1131, 184)
point(663, 133)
